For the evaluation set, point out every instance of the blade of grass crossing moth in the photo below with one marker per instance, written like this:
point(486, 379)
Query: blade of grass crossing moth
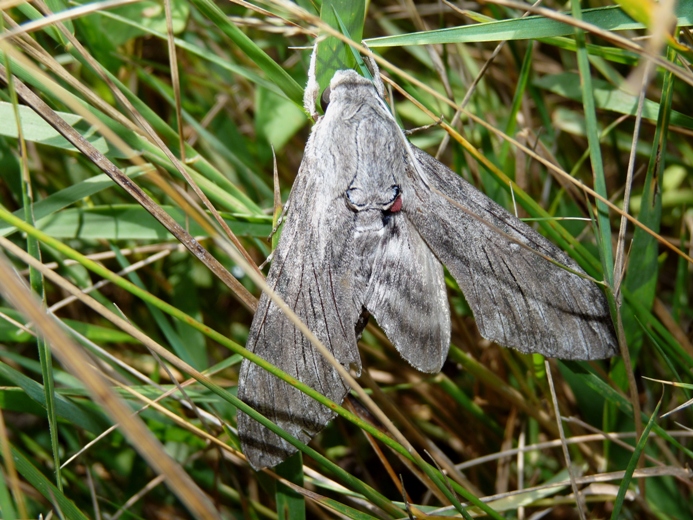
point(271, 68)
point(356, 484)
point(597, 162)
point(632, 463)
point(36, 283)
point(278, 208)
point(643, 266)
point(290, 504)
point(223, 340)
point(332, 52)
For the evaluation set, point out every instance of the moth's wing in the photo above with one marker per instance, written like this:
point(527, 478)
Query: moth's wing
point(311, 273)
point(406, 295)
point(519, 299)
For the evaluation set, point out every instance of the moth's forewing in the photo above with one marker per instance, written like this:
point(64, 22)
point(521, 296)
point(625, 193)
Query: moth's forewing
point(519, 299)
point(312, 272)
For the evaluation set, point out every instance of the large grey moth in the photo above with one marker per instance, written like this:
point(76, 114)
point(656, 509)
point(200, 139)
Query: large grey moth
point(370, 222)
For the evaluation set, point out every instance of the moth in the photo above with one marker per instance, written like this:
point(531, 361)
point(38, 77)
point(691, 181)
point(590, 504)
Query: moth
point(369, 224)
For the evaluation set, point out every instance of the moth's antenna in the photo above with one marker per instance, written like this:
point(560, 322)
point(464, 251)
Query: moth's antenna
point(312, 91)
point(375, 71)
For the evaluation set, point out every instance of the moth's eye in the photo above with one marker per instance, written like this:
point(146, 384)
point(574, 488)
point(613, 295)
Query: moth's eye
point(325, 99)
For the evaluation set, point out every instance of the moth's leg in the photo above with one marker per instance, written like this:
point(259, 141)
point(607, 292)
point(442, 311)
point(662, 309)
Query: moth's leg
point(279, 222)
point(312, 91)
point(267, 261)
point(420, 128)
point(375, 71)
point(281, 218)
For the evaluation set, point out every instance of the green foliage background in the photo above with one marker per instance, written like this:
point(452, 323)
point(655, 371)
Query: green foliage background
point(486, 426)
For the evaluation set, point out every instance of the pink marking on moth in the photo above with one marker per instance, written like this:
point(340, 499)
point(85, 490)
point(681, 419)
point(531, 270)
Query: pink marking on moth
point(396, 205)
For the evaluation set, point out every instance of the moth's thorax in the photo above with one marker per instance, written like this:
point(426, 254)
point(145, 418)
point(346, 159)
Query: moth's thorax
point(360, 128)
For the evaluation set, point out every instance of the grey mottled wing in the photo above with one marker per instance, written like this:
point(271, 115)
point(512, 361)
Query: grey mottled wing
point(519, 299)
point(311, 271)
point(406, 293)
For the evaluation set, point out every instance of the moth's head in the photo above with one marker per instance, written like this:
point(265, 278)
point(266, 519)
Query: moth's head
point(344, 83)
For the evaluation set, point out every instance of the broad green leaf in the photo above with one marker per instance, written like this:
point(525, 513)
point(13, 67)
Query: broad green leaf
point(276, 119)
point(608, 97)
point(11, 334)
point(36, 130)
point(333, 54)
point(147, 13)
point(70, 195)
point(290, 504)
point(92, 421)
point(131, 222)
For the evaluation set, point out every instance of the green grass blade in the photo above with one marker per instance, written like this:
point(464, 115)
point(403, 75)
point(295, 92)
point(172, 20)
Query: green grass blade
point(333, 54)
point(90, 420)
point(643, 269)
point(50, 492)
point(610, 18)
point(273, 71)
point(608, 97)
point(132, 222)
point(74, 193)
point(290, 504)
point(36, 130)
point(36, 284)
point(623, 488)
point(592, 130)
